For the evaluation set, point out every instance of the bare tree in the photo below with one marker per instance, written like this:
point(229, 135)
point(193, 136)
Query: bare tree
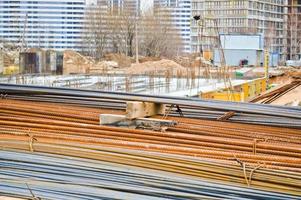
point(95, 34)
point(122, 34)
point(159, 37)
point(156, 34)
point(116, 32)
point(130, 22)
point(116, 36)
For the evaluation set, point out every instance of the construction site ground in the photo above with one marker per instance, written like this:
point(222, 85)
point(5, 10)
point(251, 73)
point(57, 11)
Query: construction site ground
point(291, 98)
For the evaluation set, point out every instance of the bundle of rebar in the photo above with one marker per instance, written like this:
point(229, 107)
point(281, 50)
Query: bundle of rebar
point(190, 107)
point(265, 158)
point(271, 96)
point(47, 176)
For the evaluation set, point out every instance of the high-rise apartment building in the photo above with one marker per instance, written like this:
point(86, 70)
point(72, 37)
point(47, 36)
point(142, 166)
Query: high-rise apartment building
point(119, 6)
point(166, 3)
point(240, 17)
point(51, 24)
point(294, 30)
point(179, 12)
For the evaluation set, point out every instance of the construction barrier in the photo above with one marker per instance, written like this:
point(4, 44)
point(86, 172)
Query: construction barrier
point(241, 93)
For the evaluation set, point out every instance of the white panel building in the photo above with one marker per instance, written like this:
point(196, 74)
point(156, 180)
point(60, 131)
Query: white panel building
point(180, 13)
point(51, 24)
point(238, 47)
point(267, 17)
point(118, 6)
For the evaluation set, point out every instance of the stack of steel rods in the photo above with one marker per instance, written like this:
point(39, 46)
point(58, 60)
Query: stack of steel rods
point(39, 119)
point(48, 176)
point(243, 112)
point(275, 94)
point(257, 156)
point(261, 178)
point(263, 155)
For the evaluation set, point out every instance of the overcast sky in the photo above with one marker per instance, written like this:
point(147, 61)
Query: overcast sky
point(90, 1)
point(145, 4)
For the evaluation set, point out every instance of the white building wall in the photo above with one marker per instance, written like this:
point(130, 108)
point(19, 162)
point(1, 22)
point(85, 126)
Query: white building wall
point(234, 56)
point(118, 6)
point(51, 24)
point(240, 47)
point(180, 12)
point(241, 17)
point(236, 41)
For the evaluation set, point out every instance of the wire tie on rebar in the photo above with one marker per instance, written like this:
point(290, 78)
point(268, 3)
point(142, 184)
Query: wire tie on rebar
point(243, 165)
point(252, 172)
point(168, 111)
point(254, 146)
point(179, 111)
point(245, 173)
point(3, 96)
point(256, 141)
point(31, 140)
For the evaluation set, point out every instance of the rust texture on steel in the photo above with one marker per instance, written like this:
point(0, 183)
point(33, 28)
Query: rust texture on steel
point(256, 156)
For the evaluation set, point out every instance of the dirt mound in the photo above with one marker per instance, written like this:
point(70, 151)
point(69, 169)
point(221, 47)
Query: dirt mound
point(143, 59)
point(192, 61)
point(103, 67)
point(289, 74)
point(75, 63)
point(121, 59)
point(295, 74)
point(290, 98)
point(156, 66)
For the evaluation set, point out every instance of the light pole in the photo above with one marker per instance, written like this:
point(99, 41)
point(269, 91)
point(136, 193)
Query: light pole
point(136, 36)
point(197, 18)
point(137, 49)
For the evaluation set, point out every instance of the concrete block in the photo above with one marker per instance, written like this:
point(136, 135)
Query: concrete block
point(137, 109)
point(108, 119)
